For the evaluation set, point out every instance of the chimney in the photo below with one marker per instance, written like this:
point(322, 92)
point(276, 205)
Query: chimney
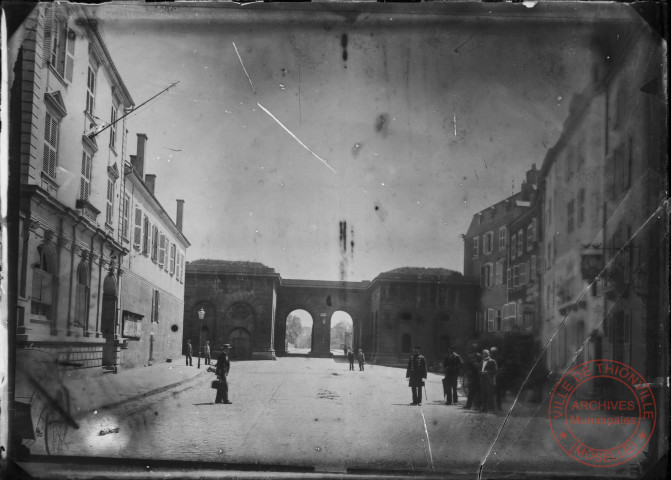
point(150, 182)
point(180, 214)
point(532, 175)
point(139, 157)
point(133, 161)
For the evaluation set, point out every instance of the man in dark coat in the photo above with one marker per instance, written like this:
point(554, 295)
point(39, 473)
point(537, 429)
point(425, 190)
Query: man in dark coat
point(350, 357)
point(416, 373)
point(488, 372)
point(452, 365)
point(223, 366)
point(189, 354)
point(473, 380)
point(501, 378)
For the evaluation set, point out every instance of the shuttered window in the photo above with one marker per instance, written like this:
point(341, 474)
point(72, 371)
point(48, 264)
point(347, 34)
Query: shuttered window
point(137, 234)
point(51, 130)
point(85, 184)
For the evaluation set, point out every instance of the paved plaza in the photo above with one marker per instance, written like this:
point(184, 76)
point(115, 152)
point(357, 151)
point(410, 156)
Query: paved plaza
point(313, 412)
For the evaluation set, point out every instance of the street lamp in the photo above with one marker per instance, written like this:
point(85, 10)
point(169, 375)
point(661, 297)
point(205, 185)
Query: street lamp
point(201, 315)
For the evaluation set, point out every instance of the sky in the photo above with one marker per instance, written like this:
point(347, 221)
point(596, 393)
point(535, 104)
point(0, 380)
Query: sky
point(402, 126)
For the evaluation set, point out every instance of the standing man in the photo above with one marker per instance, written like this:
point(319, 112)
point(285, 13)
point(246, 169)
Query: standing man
point(223, 366)
point(452, 365)
point(189, 354)
point(206, 351)
point(488, 371)
point(416, 373)
point(350, 357)
point(362, 360)
point(473, 380)
point(501, 378)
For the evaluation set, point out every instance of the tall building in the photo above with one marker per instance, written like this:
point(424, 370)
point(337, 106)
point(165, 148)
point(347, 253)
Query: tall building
point(497, 254)
point(67, 154)
point(604, 183)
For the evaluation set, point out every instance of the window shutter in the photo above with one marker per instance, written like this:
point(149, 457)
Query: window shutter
point(158, 305)
point(69, 55)
point(48, 35)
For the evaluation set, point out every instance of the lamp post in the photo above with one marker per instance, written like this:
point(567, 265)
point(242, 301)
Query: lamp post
point(201, 315)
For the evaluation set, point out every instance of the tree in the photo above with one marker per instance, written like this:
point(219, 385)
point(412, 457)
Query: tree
point(338, 332)
point(294, 328)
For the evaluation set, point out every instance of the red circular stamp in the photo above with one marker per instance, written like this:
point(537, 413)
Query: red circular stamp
point(602, 413)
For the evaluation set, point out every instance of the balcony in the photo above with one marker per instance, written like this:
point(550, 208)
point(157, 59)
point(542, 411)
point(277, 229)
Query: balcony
point(87, 210)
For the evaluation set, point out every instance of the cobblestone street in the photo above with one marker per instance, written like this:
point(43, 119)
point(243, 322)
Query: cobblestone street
point(316, 413)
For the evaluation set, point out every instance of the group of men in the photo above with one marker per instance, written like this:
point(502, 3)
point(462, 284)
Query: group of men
point(481, 372)
point(220, 370)
point(360, 356)
point(482, 377)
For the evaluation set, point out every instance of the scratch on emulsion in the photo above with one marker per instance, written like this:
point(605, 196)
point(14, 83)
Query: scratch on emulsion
point(243, 68)
point(428, 441)
point(296, 138)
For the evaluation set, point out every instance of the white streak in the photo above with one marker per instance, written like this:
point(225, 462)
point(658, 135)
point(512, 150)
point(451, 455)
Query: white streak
point(428, 441)
point(455, 124)
point(295, 137)
point(243, 67)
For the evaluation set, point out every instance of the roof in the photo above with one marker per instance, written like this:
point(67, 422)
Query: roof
point(420, 273)
point(231, 266)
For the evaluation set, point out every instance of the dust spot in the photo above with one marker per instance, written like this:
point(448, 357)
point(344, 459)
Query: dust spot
point(381, 211)
point(356, 148)
point(382, 124)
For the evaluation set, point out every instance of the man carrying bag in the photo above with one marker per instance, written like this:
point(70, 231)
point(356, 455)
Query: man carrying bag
point(221, 384)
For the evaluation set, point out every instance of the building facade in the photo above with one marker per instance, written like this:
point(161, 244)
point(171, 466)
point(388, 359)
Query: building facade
point(491, 247)
point(604, 204)
point(429, 307)
point(76, 198)
point(151, 299)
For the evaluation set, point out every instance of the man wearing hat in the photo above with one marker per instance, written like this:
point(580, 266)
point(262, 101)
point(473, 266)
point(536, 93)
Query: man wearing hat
point(488, 371)
point(223, 366)
point(452, 364)
point(416, 373)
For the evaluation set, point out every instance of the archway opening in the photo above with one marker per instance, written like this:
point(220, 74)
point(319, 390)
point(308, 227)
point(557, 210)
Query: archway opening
point(342, 332)
point(299, 332)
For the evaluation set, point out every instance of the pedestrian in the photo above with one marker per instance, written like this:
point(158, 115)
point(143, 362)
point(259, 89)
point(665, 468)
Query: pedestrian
point(416, 373)
point(350, 357)
point(501, 377)
point(362, 360)
point(189, 354)
point(473, 399)
point(452, 364)
point(488, 371)
point(208, 358)
point(223, 366)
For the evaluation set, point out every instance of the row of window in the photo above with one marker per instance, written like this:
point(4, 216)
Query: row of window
point(516, 241)
point(502, 318)
point(148, 239)
point(430, 293)
point(492, 274)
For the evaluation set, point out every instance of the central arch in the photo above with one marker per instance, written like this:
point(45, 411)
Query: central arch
point(342, 330)
point(299, 332)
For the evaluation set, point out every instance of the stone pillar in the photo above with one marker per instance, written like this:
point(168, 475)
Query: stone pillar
point(321, 337)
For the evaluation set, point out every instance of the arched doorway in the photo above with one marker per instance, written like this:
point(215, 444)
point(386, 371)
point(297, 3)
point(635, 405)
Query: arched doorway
point(342, 332)
point(298, 337)
point(241, 343)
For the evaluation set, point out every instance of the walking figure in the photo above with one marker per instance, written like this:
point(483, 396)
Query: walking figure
point(189, 354)
point(223, 366)
point(452, 365)
point(350, 357)
point(362, 360)
point(206, 350)
point(416, 373)
point(488, 371)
